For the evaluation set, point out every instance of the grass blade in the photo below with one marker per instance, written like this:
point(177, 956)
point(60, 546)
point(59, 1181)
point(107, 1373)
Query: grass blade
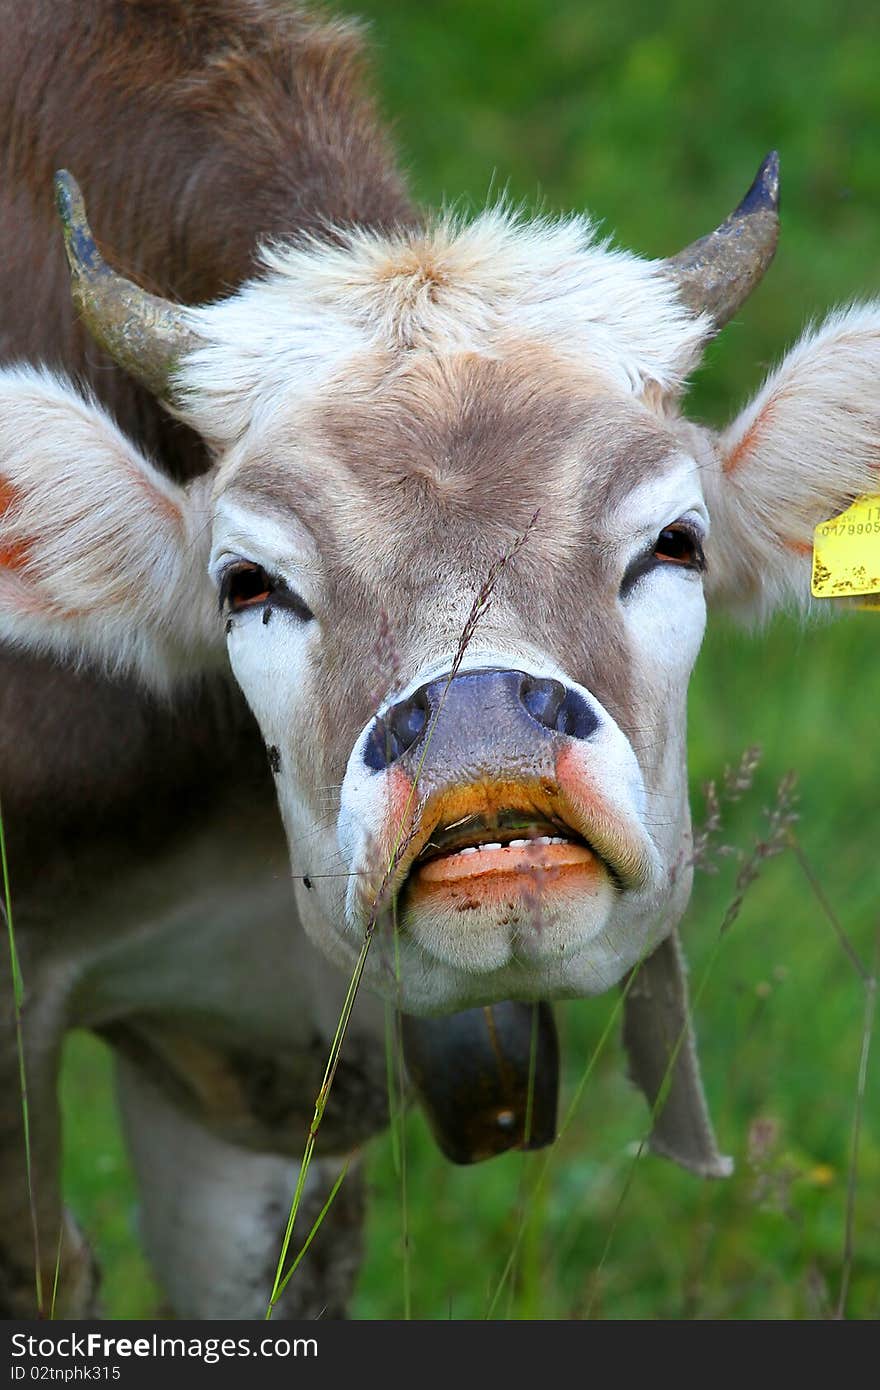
point(852, 1175)
point(18, 1000)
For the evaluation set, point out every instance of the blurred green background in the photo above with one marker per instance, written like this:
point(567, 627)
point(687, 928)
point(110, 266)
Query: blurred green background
point(655, 118)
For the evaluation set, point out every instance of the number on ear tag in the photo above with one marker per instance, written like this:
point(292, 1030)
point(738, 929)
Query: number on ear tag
point(846, 553)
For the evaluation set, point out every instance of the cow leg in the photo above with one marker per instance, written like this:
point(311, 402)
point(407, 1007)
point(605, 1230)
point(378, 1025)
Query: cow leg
point(36, 1221)
point(213, 1215)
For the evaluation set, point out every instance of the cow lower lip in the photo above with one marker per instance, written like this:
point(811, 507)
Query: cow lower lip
point(525, 861)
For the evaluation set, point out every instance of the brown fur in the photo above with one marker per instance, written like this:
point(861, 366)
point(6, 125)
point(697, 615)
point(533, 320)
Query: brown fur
point(196, 128)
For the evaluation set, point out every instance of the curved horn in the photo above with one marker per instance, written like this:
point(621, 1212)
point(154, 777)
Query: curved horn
point(143, 333)
point(716, 274)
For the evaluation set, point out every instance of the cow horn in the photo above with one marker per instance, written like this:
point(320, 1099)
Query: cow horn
point(716, 274)
point(146, 335)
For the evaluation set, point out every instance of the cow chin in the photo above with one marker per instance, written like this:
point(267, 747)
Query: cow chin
point(571, 942)
point(527, 904)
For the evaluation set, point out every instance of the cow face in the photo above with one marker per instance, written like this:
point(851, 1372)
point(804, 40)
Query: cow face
point(480, 764)
point(512, 789)
point(353, 534)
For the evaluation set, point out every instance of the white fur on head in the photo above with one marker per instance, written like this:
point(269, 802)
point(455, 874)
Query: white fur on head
point(806, 446)
point(101, 557)
point(449, 287)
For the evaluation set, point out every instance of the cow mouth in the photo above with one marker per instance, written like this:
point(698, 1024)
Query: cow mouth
point(500, 844)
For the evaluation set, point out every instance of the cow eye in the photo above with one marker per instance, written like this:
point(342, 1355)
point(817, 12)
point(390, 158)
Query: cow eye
point(678, 545)
point(244, 585)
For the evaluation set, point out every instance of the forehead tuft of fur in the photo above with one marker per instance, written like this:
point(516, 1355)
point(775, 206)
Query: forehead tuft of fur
point(448, 287)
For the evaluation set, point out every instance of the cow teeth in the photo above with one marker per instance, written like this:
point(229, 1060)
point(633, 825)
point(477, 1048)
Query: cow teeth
point(514, 844)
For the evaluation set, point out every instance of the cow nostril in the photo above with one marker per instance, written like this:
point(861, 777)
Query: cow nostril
point(407, 721)
point(576, 717)
point(395, 733)
point(542, 698)
point(557, 708)
point(476, 696)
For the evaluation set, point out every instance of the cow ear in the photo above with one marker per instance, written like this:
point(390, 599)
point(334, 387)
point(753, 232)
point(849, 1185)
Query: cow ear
point(662, 1054)
point(102, 559)
point(800, 453)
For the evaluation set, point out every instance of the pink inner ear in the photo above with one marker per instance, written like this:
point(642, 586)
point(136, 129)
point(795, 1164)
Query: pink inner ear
point(14, 554)
point(799, 547)
point(164, 505)
point(745, 445)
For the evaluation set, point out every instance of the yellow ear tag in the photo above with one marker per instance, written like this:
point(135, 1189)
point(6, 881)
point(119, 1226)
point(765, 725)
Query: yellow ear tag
point(846, 554)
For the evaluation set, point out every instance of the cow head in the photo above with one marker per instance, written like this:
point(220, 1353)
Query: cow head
point(493, 752)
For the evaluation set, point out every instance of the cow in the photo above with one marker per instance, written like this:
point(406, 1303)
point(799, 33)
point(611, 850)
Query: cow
point(254, 472)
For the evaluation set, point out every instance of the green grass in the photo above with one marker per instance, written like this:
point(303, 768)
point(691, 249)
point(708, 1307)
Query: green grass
point(655, 118)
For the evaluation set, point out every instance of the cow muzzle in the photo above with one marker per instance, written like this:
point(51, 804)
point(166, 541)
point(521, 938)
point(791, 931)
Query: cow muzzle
point(504, 836)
